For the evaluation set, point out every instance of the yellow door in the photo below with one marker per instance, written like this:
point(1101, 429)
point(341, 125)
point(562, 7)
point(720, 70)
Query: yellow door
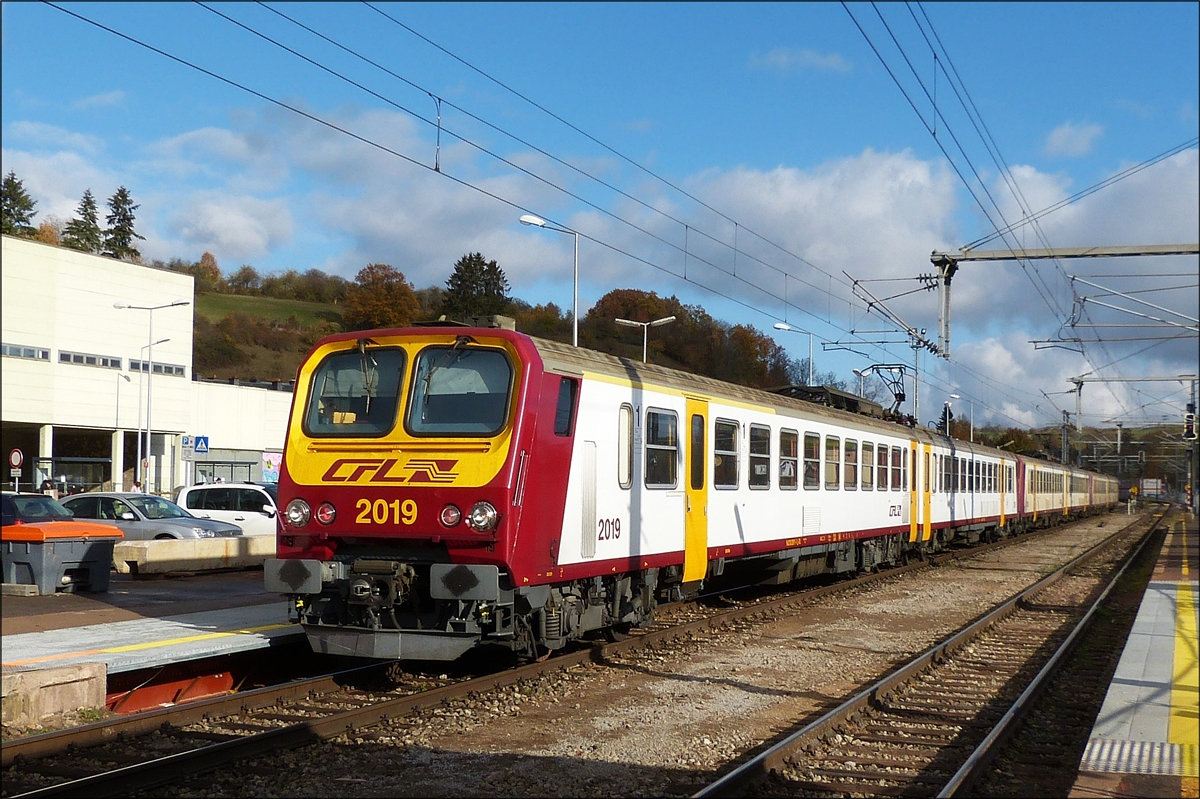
point(695, 527)
point(927, 478)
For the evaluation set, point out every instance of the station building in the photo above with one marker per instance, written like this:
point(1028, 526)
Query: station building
point(98, 351)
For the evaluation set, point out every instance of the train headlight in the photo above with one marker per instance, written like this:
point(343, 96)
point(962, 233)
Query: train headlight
point(451, 515)
point(326, 513)
point(298, 513)
point(483, 517)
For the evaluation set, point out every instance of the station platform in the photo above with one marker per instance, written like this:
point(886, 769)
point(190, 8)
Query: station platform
point(140, 624)
point(1145, 739)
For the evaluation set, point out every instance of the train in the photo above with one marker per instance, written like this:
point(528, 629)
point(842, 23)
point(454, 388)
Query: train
point(445, 488)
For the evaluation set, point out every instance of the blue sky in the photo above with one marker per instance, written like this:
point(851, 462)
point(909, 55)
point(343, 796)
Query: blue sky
point(789, 149)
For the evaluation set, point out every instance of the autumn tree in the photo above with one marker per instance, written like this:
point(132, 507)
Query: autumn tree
point(120, 236)
point(50, 231)
point(83, 233)
point(475, 288)
point(245, 280)
point(17, 207)
point(379, 297)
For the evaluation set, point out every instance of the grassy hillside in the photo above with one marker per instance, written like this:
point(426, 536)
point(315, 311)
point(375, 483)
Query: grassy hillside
point(215, 307)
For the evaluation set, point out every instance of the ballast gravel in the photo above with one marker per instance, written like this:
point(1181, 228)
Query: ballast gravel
point(663, 721)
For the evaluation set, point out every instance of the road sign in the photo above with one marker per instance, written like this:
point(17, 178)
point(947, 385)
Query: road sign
point(187, 442)
point(14, 471)
point(201, 445)
point(16, 458)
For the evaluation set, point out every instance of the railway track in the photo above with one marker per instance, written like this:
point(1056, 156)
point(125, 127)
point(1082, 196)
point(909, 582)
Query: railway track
point(932, 726)
point(122, 756)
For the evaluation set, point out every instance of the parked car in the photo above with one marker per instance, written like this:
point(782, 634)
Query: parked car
point(45, 511)
point(250, 506)
point(142, 517)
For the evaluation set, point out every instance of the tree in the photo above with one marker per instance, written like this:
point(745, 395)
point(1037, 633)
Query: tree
point(245, 280)
point(120, 235)
point(17, 208)
point(83, 232)
point(379, 297)
point(50, 231)
point(475, 288)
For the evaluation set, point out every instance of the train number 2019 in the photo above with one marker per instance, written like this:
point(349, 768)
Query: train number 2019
point(383, 512)
point(609, 529)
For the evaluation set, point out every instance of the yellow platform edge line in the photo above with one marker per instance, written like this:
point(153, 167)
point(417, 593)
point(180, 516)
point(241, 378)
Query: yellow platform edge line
point(147, 645)
point(1183, 726)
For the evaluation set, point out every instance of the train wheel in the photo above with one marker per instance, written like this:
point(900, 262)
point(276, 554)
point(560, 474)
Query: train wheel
point(617, 632)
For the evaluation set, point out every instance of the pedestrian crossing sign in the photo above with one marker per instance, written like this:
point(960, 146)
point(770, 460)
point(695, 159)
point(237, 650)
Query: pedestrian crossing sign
point(201, 445)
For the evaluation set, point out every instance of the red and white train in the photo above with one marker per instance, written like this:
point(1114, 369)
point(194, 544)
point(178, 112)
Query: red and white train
point(447, 487)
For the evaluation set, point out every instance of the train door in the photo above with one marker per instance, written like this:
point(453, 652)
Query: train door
point(695, 528)
point(918, 492)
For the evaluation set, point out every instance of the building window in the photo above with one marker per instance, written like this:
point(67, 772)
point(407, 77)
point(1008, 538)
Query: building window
point(760, 457)
point(725, 455)
point(87, 359)
point(171, 369)
point(788, 459)
point(32, 353)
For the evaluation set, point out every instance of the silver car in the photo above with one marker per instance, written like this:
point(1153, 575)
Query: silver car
point(143, 517)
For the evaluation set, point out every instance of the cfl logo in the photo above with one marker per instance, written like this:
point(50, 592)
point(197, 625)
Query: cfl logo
point(384, 470)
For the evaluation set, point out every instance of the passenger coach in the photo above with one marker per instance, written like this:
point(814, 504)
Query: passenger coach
point(446, 487)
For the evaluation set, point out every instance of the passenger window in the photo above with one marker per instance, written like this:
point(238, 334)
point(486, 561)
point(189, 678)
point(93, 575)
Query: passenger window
point(812, 461)
point(868, 466)
point(625, 446)
point(833, 458)
point(760, 457)
point(696, 478)
point(662, 449)
point(788, 459)
point(897, 465)
point(564, 412)
point(725, 455)
point(881, 479)
point(851, 465)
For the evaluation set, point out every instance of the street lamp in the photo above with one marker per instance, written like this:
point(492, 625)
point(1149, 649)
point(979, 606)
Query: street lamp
point(645, 326)
point(148, 370)
point(537, 221)
point(861, 377)
point(122, 376)
point(137, 472)
point(786, 326)
point(955, 396)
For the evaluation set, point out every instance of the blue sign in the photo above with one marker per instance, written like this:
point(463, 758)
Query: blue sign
point(201, 445)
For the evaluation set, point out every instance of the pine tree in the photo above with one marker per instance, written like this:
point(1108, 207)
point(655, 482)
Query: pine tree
point(83, 232)
point(18, 208)
point(120, 235)
point(475, 288)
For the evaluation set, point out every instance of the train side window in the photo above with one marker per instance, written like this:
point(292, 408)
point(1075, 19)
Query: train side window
point(947, 464)
point(850, 465)
point(897, 466)
point(868, 466)
point(662, 449)
point(760, 457)
point(625, 445)
point(696, 448)
point(789, 460)
point(929, 486)
point(881, 479)
point(904, 470)
point(833, 462)
point(812, 461)
point(725, 454)
point(564, 412)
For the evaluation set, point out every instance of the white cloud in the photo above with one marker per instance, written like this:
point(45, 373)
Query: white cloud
point(1072, 140)
point(783, 59)
point(105, 100)
point(239, 228)
point(46, 137)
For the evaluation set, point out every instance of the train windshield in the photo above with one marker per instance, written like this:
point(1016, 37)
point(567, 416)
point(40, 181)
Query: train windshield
point(459, 391)
point(355, 393)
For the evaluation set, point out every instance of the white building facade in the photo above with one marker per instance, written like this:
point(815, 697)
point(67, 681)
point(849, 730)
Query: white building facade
point(84, 380)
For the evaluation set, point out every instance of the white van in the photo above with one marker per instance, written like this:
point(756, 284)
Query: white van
point(250, 506)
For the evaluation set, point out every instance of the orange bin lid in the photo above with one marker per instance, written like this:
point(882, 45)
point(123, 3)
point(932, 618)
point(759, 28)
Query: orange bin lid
point(53, 531)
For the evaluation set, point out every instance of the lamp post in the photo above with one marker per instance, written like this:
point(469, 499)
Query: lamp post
point(645, 326)
point(862, 376)
point(148, 370)
point(789, 328)
point(537, 221)
point(972, 402)
point(122, 376)
point(137, 472)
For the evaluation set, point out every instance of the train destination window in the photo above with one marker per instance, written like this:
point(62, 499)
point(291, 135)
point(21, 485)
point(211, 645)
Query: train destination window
point(850, 462)
point(355, 393)
point(868, 466)
point(696, 452)
point(460, 390)
point(881, 479)
point(789, 472)
point(812, 460)
point(662, 448)
point(833, 458)
point(897, 466)
point(725, 455)
point(625, 445)
point(760, 457)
